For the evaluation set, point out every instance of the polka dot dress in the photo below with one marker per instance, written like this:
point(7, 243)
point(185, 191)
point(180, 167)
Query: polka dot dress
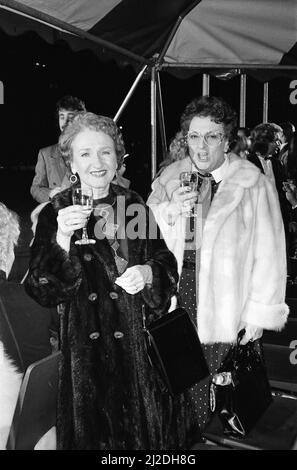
point(214, 354)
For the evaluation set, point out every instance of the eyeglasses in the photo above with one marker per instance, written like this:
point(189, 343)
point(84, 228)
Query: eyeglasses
point(212, 139)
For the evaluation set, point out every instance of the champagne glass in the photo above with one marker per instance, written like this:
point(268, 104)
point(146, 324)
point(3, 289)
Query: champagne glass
point(83, 197)
point(189, 181)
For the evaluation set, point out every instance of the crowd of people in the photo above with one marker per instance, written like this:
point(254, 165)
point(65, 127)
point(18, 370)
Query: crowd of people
point(221, 247)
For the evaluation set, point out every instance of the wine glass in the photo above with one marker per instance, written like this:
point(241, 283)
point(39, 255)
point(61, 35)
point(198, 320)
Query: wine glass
point(83, 197)
point(189, 181)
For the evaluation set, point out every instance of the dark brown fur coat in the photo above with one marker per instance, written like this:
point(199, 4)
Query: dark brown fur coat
point(110, 397)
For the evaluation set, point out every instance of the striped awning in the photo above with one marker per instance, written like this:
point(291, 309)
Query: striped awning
point(182, 32)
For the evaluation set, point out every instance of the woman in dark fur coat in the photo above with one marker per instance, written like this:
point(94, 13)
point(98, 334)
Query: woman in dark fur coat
point(109, 395)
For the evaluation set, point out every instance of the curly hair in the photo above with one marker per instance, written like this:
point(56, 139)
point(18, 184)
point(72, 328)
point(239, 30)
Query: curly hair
point(178, 150)
point(9, 234)
point(240, 145)
point(268, 131)
point(93, 122)
point(70, 103)
point(216, 108)
point(206, 106)
point(264, 134)
point(288, 129)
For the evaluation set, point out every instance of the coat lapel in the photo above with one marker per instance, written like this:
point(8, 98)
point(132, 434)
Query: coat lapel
point(102, 250)
point(240, 176)
point(58, 161)
point(256, 161)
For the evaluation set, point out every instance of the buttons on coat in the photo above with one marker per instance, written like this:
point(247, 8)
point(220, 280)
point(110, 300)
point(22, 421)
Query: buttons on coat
point(94, 335)
point(88, 257)
point(118, 335)
point(61, 309)
point(113, 295)
point(93, 296)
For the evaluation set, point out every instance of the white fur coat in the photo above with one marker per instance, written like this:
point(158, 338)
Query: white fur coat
point(243, 272)
point(10, 382)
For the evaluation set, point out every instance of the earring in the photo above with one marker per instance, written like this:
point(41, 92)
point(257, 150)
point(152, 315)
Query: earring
point(227, 150)
point(73, 178)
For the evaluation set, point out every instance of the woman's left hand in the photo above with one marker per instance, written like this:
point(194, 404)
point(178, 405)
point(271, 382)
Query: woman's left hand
point(252, 332)
point(134, 279)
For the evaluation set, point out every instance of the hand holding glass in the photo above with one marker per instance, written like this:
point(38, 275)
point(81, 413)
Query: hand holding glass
point(189, 181)
point(83, 197)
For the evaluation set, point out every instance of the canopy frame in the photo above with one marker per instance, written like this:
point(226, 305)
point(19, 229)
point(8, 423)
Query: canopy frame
point(48, 20)
point(154, 65)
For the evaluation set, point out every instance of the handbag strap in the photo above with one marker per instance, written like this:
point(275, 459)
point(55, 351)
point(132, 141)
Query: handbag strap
point(178, 299)
point(240, 336)
point(178, 305)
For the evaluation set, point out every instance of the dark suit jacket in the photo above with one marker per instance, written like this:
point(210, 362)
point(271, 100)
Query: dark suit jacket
point(49, 173)
point(279, 177)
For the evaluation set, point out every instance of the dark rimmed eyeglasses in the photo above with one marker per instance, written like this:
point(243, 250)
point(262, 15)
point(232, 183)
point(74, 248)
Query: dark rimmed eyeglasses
point(212, 139)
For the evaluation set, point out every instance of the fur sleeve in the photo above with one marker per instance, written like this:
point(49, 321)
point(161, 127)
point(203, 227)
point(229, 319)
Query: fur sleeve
point(173, 234)
point(266, 306)
point(54, 275)
point(165, 277)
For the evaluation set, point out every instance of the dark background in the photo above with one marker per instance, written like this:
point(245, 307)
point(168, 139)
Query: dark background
point(36, 74)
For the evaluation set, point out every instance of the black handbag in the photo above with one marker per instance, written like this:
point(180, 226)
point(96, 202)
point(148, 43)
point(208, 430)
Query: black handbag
point(174, 349)
point(240, 391)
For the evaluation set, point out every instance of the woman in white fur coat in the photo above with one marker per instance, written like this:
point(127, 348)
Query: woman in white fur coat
point(231, 257)
point(10, 378)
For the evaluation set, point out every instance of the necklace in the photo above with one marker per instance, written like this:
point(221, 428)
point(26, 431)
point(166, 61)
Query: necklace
point(120, 262)
point(109, 229)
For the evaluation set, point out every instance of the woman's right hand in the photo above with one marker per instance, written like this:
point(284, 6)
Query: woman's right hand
point(72, 218)
point(182, 201)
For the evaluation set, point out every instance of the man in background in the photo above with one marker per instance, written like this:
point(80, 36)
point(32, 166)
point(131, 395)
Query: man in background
point(50, 169)
point(287, 149)
point(266, 144)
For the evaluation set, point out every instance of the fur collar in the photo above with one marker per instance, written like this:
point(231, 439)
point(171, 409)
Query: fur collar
point(240, 172)
point(101, 250)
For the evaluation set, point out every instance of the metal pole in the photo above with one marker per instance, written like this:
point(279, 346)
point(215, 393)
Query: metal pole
point(175, 28)
point(161, 115)
point(242, 112)
point(205, 84)
point(1, 93)
point(153, 122)
point(130, 93)
point(243, 66)
point(265, 102)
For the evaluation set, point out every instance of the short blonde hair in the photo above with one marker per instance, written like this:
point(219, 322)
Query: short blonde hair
point(9, 234)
